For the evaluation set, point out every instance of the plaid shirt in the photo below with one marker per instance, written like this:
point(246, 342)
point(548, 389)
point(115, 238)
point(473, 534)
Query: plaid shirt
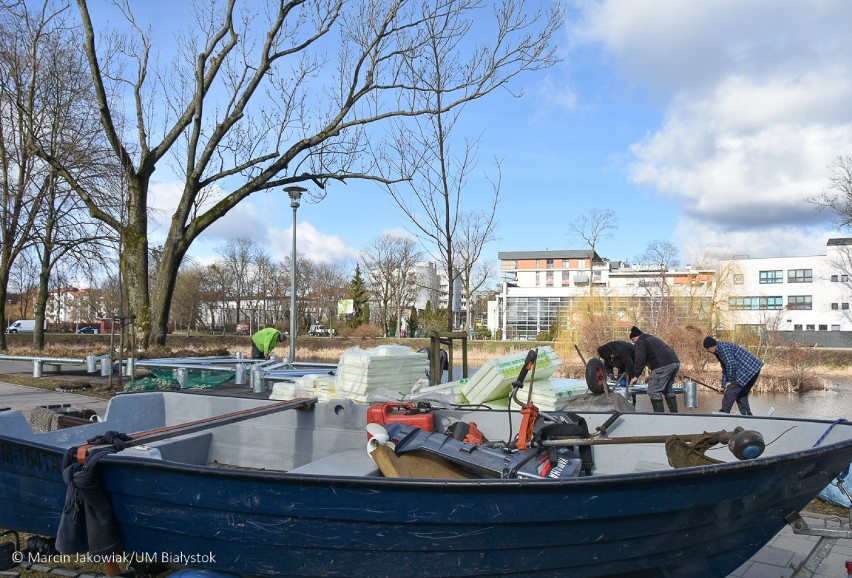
point(738, 365)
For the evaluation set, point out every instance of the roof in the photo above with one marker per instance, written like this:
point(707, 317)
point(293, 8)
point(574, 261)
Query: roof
point(841, 241)
point(561, 254)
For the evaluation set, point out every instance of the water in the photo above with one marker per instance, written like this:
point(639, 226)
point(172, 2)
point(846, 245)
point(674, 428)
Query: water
point(831, 404)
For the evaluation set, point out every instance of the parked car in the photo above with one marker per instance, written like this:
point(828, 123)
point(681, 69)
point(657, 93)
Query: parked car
point(88, 329)
point(241, 329)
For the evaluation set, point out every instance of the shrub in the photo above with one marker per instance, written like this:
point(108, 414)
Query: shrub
point(369, 330)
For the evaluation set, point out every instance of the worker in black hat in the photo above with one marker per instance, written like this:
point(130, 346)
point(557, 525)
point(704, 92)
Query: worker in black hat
point(740, 370)
point(617, 355)
point(664, 364)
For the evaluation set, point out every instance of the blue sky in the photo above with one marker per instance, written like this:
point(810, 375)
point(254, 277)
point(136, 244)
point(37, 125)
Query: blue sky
point(702, 123)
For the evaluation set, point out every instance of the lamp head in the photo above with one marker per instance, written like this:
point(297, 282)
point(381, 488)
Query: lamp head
point(295, 193)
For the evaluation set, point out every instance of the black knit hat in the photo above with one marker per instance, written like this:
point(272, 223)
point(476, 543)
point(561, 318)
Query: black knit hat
point(635, 332)
point(709, 342)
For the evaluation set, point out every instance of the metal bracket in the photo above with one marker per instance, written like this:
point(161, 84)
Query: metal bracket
point(827, 539)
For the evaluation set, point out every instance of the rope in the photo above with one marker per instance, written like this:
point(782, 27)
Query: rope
point(841, 477)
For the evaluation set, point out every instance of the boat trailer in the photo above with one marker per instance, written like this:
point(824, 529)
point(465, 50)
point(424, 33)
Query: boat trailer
point(828, 537)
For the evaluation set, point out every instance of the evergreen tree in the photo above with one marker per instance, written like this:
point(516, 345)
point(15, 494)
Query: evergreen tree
point(359, 295)
point(413, 322)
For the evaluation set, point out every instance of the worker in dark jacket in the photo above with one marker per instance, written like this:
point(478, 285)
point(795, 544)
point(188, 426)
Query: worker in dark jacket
point(740, 370)
point(617, 355)
point(664, 364)
point(264, 341)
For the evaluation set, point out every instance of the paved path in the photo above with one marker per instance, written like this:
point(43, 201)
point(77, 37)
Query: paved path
point(25, 399)
point(786, 552)
point(778, 559)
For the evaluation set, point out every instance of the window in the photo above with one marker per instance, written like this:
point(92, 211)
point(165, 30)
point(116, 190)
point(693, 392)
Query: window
point(835, 306)
point(537, 263)
point(771, 277)
point(844, 278)
point(549, 278)
point(834, 279)
point(550, 263)
point(835, 328)
point(799, 302)
point(800, 276)
point(844, 306)
point(756, 303)
point(823, 327)
point(581, 264)
point(738, 279)
point(797, 328)
point(810, 327)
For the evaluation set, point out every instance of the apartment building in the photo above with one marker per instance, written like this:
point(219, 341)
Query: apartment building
point(539, 286)
point(804, 295)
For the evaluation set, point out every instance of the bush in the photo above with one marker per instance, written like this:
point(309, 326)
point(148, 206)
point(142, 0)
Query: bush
point(364, 331)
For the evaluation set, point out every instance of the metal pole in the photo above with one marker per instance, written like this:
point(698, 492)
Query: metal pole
point(295, 194)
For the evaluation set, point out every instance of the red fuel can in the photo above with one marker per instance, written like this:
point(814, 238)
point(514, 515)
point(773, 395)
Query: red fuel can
point(405, 412)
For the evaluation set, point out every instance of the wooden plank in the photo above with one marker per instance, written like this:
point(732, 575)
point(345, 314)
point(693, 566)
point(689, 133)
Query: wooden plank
point(218, 420)
point(162, 433)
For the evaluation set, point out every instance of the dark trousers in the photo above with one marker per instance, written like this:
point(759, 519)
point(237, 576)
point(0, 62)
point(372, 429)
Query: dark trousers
point(738, 393)
point(255, 352)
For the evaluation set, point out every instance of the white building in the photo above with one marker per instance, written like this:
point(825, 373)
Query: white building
point(539, 285)
point(807, 293)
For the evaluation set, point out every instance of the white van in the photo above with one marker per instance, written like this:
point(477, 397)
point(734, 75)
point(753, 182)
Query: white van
point(22, 326)
point(319, 331)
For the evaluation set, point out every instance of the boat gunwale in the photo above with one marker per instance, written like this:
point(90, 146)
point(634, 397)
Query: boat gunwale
point(608, 479)
point(627, 477)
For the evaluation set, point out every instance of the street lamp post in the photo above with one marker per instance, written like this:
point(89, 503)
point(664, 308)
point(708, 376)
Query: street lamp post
point(295, 193)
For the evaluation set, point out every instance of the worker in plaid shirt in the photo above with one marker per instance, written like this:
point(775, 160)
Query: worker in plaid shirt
point(740, 370)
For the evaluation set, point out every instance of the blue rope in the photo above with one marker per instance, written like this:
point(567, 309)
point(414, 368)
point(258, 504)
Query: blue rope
point(841, 477)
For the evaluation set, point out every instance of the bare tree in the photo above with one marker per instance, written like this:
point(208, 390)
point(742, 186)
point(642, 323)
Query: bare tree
point(64, 232)
point(186, 307)
point(239, 260)
point(837, 197)
point(592, 226)
point(253, 103)
point(22, 177)
point(476, 229)
point(328, 288)
point(389, 263)
point(660, 257)
point(423, 148)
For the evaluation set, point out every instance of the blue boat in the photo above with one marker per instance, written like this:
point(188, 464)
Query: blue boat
point(288, 489)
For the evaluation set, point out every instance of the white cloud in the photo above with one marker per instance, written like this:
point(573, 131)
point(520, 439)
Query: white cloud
point(699, 240)
point(758, 94)
point(315, 245)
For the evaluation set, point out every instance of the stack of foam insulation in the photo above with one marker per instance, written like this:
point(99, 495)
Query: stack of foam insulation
point(393, 367)
point(323, 387)
point(556, 393)
point(494, 379)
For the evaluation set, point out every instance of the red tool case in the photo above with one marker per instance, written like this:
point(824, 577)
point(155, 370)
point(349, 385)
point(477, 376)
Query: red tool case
point(405, 412)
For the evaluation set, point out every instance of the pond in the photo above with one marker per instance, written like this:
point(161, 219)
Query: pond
point(829, 404)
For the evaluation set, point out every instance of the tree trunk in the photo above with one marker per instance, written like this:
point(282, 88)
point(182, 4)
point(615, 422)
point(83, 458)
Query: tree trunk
point(164, 287)
point(5, 306)
point(41, 297)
